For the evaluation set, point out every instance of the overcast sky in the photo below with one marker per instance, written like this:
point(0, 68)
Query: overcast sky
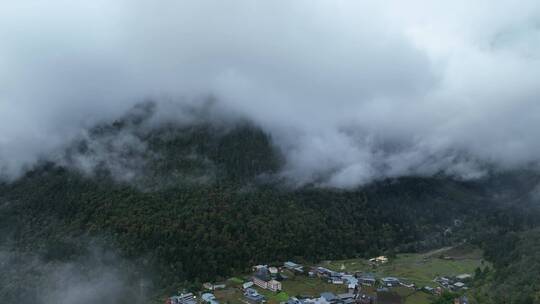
point(350, 90)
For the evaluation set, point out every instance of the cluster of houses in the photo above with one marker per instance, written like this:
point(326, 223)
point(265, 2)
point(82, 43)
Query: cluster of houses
point(331, 298)
point(356, 280)
point(190, 298)
point(456, 283)
point(381, 297)
point(270, 278)
point(267, 278)
point(252, 296)
point(184, 298)
point(384, 297)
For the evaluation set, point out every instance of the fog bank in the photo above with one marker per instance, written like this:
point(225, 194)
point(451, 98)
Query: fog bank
point(351, 92)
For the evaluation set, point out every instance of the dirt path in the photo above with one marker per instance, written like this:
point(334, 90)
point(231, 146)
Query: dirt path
point(437, 251)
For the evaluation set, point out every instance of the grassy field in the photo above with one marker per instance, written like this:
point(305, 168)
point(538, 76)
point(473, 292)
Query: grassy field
point(229, 295)
point(313, 287)
point(304, 286)
point(294, 286)
point(420, 269)
point(419, 297)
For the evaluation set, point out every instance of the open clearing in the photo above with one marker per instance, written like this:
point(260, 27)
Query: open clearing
point(416, 268)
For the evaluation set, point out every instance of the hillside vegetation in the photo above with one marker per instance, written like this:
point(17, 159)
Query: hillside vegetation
point(205, 203)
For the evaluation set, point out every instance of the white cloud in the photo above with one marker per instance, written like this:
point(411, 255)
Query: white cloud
point(351, 91)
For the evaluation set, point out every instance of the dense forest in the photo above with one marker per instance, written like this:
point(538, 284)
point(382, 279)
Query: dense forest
point(201, 202)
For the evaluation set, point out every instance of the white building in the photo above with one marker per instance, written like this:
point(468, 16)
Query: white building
point(274, 285)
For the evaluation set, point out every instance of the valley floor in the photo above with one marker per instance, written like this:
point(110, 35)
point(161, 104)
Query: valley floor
point(410, 268)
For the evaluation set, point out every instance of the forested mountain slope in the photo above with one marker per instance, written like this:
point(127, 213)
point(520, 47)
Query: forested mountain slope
point(201, 203)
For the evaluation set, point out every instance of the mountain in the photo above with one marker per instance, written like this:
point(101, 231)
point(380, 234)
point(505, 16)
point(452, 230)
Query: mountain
point(183, 204)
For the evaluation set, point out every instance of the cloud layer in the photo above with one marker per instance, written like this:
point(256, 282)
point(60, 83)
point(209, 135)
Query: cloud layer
point(97, 277)
point(350, 91)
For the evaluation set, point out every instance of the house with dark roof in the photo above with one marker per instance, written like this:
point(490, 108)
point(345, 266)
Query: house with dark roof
point(263, 279)
point(346, 298)
point(209, 298)
point(428, 289)
point(185, 298)
point(293, 266)
point(390, 281)
point(323, 272)
point(367, 279)
point(252, 296)
point(330, 298)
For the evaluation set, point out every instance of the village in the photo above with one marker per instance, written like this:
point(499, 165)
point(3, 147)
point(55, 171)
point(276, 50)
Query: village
point(334, 283)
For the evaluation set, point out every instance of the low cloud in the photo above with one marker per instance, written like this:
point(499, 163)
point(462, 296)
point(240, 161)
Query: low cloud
point(99, 276)
point(351, 92)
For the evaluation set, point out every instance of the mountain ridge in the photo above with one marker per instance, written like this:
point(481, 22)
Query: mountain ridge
point(192, 230)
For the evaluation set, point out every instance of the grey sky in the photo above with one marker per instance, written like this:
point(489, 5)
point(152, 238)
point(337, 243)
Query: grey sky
point(350, 90)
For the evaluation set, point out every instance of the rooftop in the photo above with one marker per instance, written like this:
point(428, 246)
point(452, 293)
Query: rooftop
point(328, 296)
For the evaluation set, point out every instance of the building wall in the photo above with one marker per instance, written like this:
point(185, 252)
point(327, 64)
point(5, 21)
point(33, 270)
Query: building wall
point(274, 286)
point(260, 283)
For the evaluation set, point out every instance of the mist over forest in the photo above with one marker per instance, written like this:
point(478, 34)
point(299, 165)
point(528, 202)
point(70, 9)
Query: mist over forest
point(146, 148)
